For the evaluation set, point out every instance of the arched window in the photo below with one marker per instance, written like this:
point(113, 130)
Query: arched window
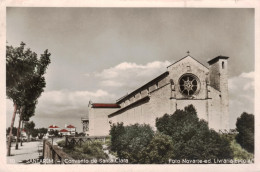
point(172, 84)
point(222, 65)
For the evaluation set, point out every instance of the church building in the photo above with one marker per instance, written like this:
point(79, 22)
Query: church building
point(185, 82)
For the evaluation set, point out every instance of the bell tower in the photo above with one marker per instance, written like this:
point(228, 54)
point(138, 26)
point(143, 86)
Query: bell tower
point(218, 79)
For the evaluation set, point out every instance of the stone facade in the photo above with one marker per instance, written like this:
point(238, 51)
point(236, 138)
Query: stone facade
point(185, 82)
point(98, 119)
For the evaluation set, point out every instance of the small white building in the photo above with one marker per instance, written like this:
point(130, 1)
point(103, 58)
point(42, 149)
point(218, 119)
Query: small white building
point(53, 128)
point(71, 129)
point(64, 132)
point(24, 134)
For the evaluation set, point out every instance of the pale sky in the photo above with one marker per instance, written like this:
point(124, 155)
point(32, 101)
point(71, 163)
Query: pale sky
point(103, 53)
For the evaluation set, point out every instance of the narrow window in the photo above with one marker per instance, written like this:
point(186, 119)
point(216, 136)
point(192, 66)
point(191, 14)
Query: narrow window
point(172, 84)
point(188, 68)
point(222, 65)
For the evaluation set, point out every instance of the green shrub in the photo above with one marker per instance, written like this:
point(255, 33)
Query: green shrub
point(88, 150)
point(239, 152)
point(191, 136)
point(245, 127)
point(108, 143)
point(61, 143)
point(75, 154)
point(94, 150)
point(160, 149)
point(229, 136)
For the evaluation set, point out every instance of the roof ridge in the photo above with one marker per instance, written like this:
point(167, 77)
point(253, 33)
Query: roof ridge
point(186, 57)
point(144, 85)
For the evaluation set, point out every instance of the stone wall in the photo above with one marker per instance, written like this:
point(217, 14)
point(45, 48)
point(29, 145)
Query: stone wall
point(214, 74)
point(191, 66)
point(214, 108)
point(146, 111)
point(54, 154)
point(99, 123)
point(219, 81)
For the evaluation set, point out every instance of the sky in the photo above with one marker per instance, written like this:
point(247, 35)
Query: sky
point(100, 54)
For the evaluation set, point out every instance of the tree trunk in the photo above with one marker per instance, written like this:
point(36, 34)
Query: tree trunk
point(11, 129)
point(22, 138)
point(18, 132)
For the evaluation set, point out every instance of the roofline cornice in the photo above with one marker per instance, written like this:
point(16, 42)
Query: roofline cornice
point(184, 58)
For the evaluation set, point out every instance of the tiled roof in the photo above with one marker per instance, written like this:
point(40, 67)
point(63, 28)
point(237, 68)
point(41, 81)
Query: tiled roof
point(216, 59)
point(146, 98)
point(64, 130)
point(70, 126)
point(105, 105)
point(53, 126)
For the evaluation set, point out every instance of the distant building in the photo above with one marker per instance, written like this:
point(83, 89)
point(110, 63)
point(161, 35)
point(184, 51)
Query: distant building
point(53, 128)
point(85, 124)
point(71, 129)
point(187, 81)
point(24, 134)
point(64, 132)
point(98, 118)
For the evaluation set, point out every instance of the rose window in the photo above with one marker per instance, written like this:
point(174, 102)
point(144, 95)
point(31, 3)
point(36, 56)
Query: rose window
point(189, 84)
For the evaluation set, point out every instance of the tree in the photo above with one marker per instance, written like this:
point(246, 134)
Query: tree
point(33, 89)
point(159, 150)
point(35, 132)
point(131, 142)
point(51, 132)
point(245, 126)
point(116, 131)
point(191, 136)
point(54, 133)
point(14, 131)
point(26, 112)
point(29, 127)
point(42, 132)
point(23, 121)
point(25, 81)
